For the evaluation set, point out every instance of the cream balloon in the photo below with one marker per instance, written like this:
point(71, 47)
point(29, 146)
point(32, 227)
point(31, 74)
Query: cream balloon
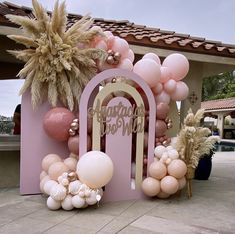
point(58, 192)
point(42, 175)
point(182, 183)
point(95, 169)
point(78, 202)
point(169, 185)
point(48, 185)
point(42, 183)
point(53, 204)
point(91, 200)
point(157, 170)
point(177, 168)
point(161, 194)
point(159, 150)
point(67, 203)
point(150, 186)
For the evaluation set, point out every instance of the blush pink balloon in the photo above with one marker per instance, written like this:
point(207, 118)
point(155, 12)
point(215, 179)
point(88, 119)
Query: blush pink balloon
point(101, 45)
point(181, 91)
point(177, 168)
point(149, 71)
point(182, 183)
point(163, 195)
point(153, 57)
point(150, 186)
point(165, 74)
point(161, 128)
point(120, 45)
point(71, 163)
point(73, 144)
point(157, 89)
point(108, 33)
point(162, 110)
point(49, 160)
point(170, 86)
point(169, 185)
point(178, 65)
point(130, 55)
point(126, 64)
point(57, 169)
point(163, 97)
point(157, 170)
point(56, 123)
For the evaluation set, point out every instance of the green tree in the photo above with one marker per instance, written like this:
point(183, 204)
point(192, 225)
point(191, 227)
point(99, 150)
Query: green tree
point(219, 86)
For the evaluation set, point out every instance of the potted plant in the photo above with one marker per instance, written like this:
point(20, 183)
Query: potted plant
point(203, 170)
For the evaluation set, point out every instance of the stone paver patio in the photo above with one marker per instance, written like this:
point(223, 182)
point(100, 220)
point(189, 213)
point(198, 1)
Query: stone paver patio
point(211, 210)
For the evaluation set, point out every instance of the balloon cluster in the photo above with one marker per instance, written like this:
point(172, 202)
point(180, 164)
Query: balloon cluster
point(61, 124)
point(75, 184)
point(119, 55)
point(167, 173)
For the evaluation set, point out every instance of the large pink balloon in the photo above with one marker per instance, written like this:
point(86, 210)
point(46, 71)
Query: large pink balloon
point(153, 57)
point(169, 185)
point(177, 168)
point(170, 86)
point(178, 64)
point(150, 186)
point(56, 123)
point(181, 91)
point(101, 45)
point(73, 144)
point(149, 71)
point(163, 97)
point(162, 110)
point(165, 74)
point(161, 128)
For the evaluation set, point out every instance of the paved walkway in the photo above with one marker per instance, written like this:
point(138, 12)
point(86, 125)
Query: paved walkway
point(211, 210)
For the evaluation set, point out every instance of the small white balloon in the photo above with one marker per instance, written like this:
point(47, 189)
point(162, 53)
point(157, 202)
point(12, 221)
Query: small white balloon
point(78, 201)
point(91, 200)
point(67, 203)
point(173, 154)
point(58, 192)
point(48, 185)
point(74, 187)
point(159, 150)
point(53, 204)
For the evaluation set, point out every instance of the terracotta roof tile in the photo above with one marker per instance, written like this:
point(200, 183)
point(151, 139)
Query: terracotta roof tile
point(138, 34)
point(227, 103)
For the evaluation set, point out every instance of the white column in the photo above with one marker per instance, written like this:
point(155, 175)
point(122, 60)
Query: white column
point(220, 124)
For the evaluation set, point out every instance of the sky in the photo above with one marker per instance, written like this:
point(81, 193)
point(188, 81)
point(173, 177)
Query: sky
point(211, 19)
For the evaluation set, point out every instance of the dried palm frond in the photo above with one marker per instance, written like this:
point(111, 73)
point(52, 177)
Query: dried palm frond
point(53, 60)
point(193, 142)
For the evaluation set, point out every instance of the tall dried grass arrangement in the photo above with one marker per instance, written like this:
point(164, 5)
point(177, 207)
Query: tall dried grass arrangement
point(193, 142)
point(56, 68)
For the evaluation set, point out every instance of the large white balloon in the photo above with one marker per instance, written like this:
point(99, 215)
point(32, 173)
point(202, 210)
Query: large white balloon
point(95, 169)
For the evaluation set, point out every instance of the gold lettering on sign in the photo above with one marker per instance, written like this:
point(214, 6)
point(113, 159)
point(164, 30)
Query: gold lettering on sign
point(105, 114)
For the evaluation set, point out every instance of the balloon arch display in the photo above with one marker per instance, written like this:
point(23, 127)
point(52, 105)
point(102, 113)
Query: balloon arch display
point(101, 127)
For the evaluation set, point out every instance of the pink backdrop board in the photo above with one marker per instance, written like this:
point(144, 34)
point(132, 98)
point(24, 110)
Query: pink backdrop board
point(118, 147)
point(35, 145)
